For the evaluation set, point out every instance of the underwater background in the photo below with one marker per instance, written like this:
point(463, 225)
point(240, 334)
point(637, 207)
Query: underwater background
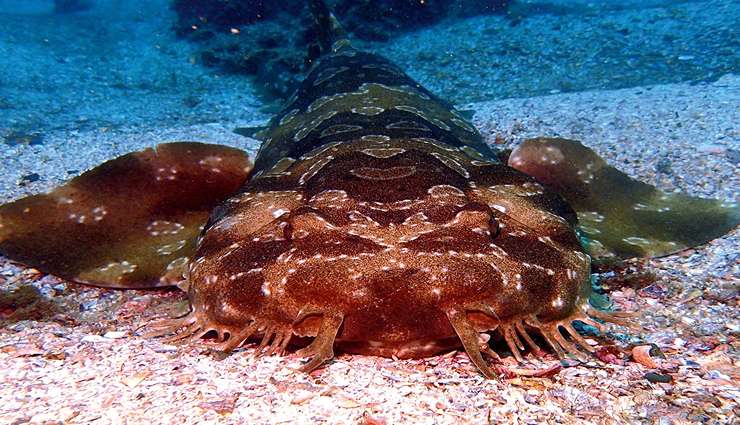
point(651, 85)
point(115, 63)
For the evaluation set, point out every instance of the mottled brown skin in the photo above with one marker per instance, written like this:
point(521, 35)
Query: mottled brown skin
point(393, 245)
point(132, 222)
point(375, 220)
point(636, 219)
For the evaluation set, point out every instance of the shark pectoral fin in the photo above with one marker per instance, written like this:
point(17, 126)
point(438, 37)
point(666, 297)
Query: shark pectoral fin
point(255, 132)
point(131, 222)
point(621, 217)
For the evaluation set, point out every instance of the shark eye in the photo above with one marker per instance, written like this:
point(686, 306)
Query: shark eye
point(493, 227)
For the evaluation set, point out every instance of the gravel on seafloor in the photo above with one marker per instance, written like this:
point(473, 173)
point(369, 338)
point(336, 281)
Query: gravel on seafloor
point(571, 45)
point(71, 354)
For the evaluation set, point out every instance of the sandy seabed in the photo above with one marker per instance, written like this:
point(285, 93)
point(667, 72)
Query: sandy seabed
point(70, 354)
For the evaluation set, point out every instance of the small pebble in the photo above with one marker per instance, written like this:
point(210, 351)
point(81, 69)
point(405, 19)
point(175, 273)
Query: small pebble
point(658, 378)
point(714, 149)
point(715, 374)
point(29, 178)
point(734, 156)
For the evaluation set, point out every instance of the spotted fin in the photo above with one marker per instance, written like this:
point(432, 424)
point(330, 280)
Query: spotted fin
point(621, 217)
point(132, 222)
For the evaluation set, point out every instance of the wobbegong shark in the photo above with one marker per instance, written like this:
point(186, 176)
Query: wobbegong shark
point(373, 220)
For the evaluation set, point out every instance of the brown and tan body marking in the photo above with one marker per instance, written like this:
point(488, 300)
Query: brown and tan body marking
point(375, 220)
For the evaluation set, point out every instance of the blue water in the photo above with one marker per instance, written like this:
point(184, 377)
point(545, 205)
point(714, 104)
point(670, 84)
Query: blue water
point(118, 64)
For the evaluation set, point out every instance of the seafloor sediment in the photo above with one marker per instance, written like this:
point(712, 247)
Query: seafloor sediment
point(70, 354)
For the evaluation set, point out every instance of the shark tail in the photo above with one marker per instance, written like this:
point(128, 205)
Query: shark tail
point(331, 36)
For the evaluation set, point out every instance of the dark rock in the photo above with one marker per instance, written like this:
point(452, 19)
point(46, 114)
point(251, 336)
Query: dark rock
point(658, 378)
point(209, 58)
point(366, 19)
point(663, 166)
point(191, 101)
point(21, 297)
point(251, 62)
point(29, 178)
point(71, 6)
point(655, 351)
point(203, 35)
point(270, 42)
point(14, 138)
point(25, 303)
point(734, 156)
point(250, 37)
point(377, 20)
point(220, 14)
